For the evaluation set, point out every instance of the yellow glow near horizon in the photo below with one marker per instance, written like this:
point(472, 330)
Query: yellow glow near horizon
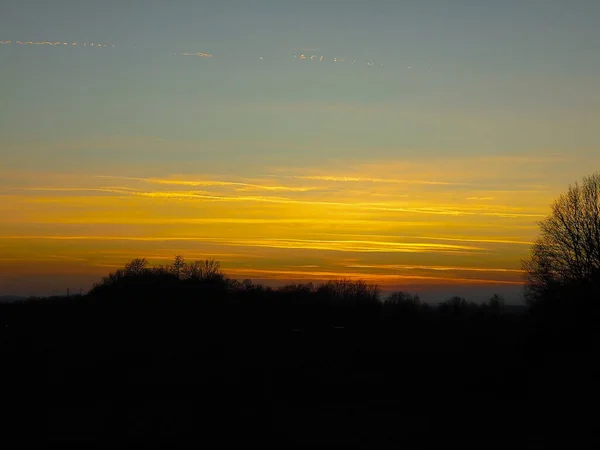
point(422, 230)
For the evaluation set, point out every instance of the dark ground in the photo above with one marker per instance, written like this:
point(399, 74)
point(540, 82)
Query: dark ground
point(178, 378)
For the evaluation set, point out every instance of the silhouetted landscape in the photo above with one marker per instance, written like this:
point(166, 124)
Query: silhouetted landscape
point(183, 355)
point(299, 224)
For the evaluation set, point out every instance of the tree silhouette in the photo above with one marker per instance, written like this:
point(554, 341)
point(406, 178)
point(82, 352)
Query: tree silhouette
point(345, 289)
point(455, 306)
point(568, 251)
point(496, 302)
point(402, 306)
point(403, 298)
point(207, 270)
point(179, 265)
point(136, 267)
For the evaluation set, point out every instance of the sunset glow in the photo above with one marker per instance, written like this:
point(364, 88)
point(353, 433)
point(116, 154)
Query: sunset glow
point(284, 169)
point(404, 226)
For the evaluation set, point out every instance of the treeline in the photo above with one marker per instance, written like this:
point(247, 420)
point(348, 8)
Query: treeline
point(204, 357)
point(211, 362)
point(184, 304)
point(197, 296)
point(203, 287)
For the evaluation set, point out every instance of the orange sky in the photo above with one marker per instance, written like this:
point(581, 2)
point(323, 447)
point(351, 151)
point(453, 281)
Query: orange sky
point(416, 144)
point(413, 224)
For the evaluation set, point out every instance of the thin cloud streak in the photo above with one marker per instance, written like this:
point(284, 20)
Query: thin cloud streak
point(120, 190)
point(204, 195)
point(210, 183)
point(444, 211)
point(434, 268)
point(287, 274)
point(199, 54)
point(332, 245)
point(353, 246)
point(373, 180)
point(290, 219)
point(489, 241)
point(432, 238)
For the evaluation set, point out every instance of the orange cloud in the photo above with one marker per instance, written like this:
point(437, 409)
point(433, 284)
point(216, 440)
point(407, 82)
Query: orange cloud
point(370, 277)
point(367, 222)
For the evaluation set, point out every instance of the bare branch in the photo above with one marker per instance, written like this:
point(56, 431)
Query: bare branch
point(568, 250)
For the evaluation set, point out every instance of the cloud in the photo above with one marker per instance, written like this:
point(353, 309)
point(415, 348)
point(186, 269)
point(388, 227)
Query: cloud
point(200, 54)
point(57, 43)
point(330, 220)
point(358, 246)
point(432, 268)
point(369, 277)
point(374, 180)
point(489, 240)
point(481, 240)
point(347, 201)
point(245, 186)
point(444, 211)
point(120, 190)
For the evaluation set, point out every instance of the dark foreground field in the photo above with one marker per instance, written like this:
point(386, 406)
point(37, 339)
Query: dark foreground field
point(115, 373)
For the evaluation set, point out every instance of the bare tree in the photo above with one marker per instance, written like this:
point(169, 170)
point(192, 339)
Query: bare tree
point(208, 269)
point(345, 289)
point(178, 267)
point(568, 250)
point(137, 266)
point(403, 298)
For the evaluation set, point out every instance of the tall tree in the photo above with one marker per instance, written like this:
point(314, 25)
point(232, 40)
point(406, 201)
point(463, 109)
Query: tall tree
point(567, 253)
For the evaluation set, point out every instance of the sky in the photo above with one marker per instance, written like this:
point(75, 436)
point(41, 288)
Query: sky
point(413, 144)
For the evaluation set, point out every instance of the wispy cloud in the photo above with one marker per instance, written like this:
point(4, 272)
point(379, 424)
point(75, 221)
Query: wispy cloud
point(481, 240)
point(374, 180)
point(432, 268)
point(369, 206)
point(120, 190)
point(246, 186)
point(393, 225)
point(200, 54)
point(59, 43)
point(344, 200)
point(368, 246)
point(367, 276)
